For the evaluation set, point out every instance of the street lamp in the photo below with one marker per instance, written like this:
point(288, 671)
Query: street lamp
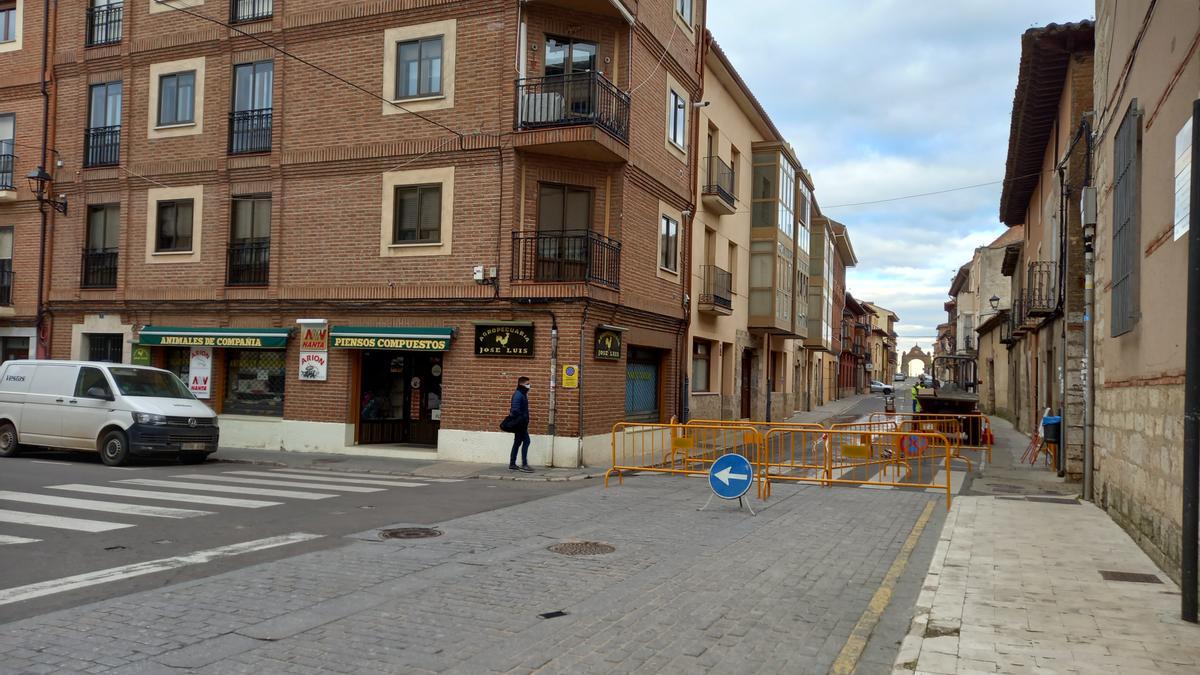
point(994, 301)
point(38, 180)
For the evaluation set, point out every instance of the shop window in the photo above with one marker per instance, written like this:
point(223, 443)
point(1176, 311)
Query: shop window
point(701, 363)
point(105, 347)
point(14, 348)
point(254, 382)
point(179, 361)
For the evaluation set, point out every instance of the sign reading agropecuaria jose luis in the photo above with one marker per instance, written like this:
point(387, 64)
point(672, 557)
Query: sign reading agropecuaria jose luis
point(608, 344)
point(504, 340)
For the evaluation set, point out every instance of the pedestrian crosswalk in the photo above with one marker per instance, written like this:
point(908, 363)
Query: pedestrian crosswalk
point(121, 502)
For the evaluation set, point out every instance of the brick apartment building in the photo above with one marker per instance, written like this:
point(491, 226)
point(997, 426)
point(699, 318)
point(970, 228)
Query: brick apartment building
point(21, 117)
point(471, 191)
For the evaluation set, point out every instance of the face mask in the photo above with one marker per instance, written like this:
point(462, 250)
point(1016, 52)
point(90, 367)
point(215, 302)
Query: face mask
point(527, 386)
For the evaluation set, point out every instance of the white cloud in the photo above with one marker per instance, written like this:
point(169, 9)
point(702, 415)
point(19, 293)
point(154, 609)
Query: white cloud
point(884, 98)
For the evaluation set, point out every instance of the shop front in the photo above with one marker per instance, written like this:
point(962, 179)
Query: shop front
point(236, 371)
point(396, 382)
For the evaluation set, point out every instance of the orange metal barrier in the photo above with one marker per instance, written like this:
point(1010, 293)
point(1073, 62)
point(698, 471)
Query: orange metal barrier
point(676, 448)
point(974, 430)
point(857, 457)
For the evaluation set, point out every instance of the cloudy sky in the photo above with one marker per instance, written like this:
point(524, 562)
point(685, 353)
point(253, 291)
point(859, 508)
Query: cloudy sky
point(885, 98)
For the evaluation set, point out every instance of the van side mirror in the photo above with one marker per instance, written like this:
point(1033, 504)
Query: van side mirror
point(100, 393)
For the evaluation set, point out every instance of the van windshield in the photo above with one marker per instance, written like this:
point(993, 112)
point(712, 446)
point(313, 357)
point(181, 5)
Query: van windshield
point(142, 382)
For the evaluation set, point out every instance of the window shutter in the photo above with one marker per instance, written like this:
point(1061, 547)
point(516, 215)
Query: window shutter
point(1126, 239)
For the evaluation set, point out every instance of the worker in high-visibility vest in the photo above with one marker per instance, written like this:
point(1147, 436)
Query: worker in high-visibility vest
point(916, 403)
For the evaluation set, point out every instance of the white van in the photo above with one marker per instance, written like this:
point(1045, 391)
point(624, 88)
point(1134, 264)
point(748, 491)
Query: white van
point(115, 409)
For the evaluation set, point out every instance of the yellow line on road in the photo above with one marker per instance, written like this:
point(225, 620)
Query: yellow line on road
point(852, 651)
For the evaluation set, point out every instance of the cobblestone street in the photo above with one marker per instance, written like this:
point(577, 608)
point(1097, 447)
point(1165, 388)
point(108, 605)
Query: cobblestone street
point(685, 591)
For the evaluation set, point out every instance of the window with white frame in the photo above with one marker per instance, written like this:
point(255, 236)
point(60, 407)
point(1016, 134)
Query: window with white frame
point(677, 129)
point(701, 365)
point(668, 244)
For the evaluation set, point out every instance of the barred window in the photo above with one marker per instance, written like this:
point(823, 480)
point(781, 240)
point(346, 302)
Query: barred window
point(254, 381)
point(1126, 239)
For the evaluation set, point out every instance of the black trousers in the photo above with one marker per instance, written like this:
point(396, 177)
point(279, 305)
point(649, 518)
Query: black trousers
point(520, 440)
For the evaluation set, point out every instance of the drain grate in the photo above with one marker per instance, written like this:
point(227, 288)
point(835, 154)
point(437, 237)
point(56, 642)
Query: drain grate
point(582, 548)
point(1132, 577)
point(409, 533)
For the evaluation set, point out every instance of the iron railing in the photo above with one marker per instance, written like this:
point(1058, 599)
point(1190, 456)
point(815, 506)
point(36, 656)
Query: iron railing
point(718, 287)
point(250, 131)
point(719, 180)
point(102, 146)
point(104, 24)
point(969, 343)
point(1041, 297)
point(241, 11)
point(99, 268)
point(249, 262)
point(6, 172)
point(568, 256)
point(6, 282)
point(568, 100)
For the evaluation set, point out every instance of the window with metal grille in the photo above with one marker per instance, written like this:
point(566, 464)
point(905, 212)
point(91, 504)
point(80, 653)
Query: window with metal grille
point(6, 269)
point(105, 347)
point(14, 348)
point(254, 381)
point(1126, 239)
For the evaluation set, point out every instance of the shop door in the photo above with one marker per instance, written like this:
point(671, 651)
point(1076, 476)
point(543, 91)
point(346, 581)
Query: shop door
point(400, 398)
point(641, 385)
point(747, 368)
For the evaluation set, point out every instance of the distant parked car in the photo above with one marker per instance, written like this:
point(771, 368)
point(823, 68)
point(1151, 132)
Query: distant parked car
point(899, 377)
point(877, 387)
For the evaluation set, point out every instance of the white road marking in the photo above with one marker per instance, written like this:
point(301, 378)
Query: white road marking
point(108, 468)
point(59, 522)
point(166, 496)
point(236, 489)
point(96, 505)
point(5, 539)
point(279, 483)
point(375, 476)
point(330, 479)
point(43, 588)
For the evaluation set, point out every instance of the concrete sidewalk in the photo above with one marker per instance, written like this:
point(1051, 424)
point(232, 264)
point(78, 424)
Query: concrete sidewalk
point(421, 468)
point(1015, 585)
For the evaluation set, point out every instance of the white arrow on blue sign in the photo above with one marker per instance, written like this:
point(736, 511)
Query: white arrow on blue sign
point(730, 476)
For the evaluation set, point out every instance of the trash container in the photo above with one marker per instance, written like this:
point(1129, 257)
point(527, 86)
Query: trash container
point(889, 403)
point(1052, 429)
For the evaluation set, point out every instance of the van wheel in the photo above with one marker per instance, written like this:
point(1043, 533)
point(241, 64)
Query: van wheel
point(8, 440)
point(114, 448)
point(193, 457)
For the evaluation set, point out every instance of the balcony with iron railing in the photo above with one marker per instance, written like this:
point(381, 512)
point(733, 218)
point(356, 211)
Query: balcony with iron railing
point(6, 282)
point(8, 189)
point(99, 268)
point(571, 256)
point(243, 11)
point(587, 101)
point(249, 262)
point(1041, 297)
point(969, 343)
point(717, 192)
point(104, 23)
point(250, 131)
point(716, 295)
point(102, 146)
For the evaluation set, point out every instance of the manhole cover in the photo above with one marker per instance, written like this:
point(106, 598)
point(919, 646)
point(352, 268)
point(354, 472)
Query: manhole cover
point(409, 533)
point(582, 548)
point(1133, 577)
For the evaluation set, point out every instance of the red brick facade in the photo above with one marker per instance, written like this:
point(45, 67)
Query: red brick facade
point(330, 149)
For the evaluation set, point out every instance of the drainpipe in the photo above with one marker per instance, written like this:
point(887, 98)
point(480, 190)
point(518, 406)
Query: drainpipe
point(583, 380)
point(551, 424)
point(41, 343)
point(1191, 392)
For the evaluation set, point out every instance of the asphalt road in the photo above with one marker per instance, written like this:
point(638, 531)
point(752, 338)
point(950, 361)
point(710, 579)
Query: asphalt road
point(65, 514)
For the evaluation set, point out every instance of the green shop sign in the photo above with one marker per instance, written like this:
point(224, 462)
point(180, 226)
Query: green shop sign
point(404, 339)
point(241, 338)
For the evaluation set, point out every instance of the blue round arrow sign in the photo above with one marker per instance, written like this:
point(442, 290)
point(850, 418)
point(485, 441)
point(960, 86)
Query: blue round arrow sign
point(730, 476)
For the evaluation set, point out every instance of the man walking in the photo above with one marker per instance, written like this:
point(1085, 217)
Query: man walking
point(518, 413)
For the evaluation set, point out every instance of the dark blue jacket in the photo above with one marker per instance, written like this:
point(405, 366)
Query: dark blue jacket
point(519, 408)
